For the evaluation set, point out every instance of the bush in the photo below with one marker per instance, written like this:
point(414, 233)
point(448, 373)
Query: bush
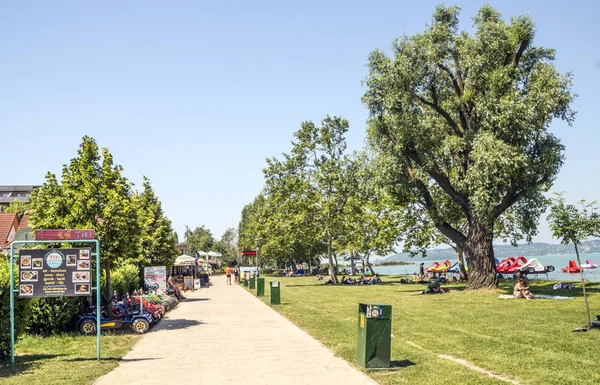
point(21, 308)
point(52, 315)
point(125, 279)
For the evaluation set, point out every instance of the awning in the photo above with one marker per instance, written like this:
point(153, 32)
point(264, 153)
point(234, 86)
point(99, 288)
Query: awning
point(184, 260)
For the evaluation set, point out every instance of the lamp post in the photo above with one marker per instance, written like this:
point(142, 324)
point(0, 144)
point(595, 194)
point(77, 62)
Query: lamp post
point(257, 243)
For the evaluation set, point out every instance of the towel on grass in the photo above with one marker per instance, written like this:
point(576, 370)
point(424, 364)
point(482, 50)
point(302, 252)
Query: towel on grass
point(506, 296)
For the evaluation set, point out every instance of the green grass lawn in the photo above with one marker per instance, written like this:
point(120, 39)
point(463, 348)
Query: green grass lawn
point(68, 359)
point(530, 342)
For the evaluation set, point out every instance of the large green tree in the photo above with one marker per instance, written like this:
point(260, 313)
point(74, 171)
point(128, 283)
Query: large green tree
point(372, 218)
point(229, 242)
point(199, 239)
point(289, 221)
point(157, 239)
point(92, 194)
point(467, 116)
point(319, 181)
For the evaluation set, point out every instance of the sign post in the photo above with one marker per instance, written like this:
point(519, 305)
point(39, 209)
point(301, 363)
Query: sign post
point(55, 272)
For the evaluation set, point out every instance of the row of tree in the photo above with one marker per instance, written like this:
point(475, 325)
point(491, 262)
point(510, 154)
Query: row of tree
point(92, 193)
point(458, 151)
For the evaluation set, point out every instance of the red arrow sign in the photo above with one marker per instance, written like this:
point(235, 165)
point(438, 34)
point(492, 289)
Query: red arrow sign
point(58, 235)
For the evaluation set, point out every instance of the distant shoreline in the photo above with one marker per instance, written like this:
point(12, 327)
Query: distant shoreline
point(503, 251)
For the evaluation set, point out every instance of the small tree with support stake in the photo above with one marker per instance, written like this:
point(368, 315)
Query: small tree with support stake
point(574, 226)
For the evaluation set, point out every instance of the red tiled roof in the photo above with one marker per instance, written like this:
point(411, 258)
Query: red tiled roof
point(7, 221)
point(24, 222)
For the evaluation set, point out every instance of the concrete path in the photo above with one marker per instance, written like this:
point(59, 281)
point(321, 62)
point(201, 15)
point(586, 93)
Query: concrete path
point(224, 336)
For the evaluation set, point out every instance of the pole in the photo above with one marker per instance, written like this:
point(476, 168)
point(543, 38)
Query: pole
point(98, 309)
point(587, 306)
point(12, 305)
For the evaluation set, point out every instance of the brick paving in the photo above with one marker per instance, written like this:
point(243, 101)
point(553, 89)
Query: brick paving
point(224, 336)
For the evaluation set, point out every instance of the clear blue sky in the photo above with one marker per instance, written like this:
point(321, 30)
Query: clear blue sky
point(196, 94)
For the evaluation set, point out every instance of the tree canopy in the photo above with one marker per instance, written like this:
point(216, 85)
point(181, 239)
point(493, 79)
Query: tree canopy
point(463, 122)
point(93, 194)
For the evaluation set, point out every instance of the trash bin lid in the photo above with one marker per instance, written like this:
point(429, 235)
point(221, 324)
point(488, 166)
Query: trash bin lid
point(375, 310)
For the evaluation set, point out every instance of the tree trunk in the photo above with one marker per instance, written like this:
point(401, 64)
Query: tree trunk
point(292, 264)
point(587, 306)
point(108, 289)
point(369, 265)
point(333, 268)
point(462, 271)
point(352, 263)
point(480, 257)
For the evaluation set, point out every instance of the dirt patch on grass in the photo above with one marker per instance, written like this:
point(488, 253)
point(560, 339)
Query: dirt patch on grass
point(468, 365)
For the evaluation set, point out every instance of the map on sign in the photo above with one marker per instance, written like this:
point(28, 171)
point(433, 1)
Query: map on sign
point(54, 273)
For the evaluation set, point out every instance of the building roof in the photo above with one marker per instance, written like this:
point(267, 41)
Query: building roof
point(24, 222)
point(19, 188)
point(7, 222)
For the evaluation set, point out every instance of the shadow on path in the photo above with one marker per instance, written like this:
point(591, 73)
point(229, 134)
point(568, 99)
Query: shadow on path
point(195, 299)
point(176, 324)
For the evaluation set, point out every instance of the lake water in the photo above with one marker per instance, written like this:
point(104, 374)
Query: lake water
point(558, 261)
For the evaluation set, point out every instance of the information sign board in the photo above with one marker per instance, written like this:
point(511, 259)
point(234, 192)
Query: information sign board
point(54, 272)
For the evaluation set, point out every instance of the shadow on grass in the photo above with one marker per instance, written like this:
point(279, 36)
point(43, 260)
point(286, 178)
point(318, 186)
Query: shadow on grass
point(401, 364)
point(394, 366)
point(22, 364)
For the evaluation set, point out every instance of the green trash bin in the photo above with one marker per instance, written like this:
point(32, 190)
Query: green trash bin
point(275, 293)
point(245, 283)
point(260, 287)
point(374, 335)
point(252, 283)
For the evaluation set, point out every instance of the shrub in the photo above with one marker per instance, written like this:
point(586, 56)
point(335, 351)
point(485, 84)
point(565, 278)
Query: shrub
point(125, 279)
point(52, 315)
point(21, 308)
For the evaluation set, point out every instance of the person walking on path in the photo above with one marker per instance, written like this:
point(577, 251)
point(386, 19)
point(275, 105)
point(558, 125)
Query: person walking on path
point(236, 275)
point(228, 274)
point(422, 270)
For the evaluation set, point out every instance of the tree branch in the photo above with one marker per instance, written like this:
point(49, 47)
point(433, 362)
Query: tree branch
point(451, 78)
point(442, 112)
point(461, 83)
point(458, 84)
point(451, 233)
point(512, 196)
point(444, 182)
point(444, 227)
point(524, 44)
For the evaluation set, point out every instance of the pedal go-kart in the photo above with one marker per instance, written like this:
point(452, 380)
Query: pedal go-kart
point(138, 319)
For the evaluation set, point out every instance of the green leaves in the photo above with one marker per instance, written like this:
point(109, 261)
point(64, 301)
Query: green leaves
point(157, 240)
point(572, 224)
point(200, 239)
point(94, 194)
point(463, 118)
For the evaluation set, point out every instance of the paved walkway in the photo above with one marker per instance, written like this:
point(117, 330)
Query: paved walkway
point(224, 336)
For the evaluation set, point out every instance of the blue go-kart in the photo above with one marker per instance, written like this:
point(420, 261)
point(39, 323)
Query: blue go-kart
point(138, 319)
